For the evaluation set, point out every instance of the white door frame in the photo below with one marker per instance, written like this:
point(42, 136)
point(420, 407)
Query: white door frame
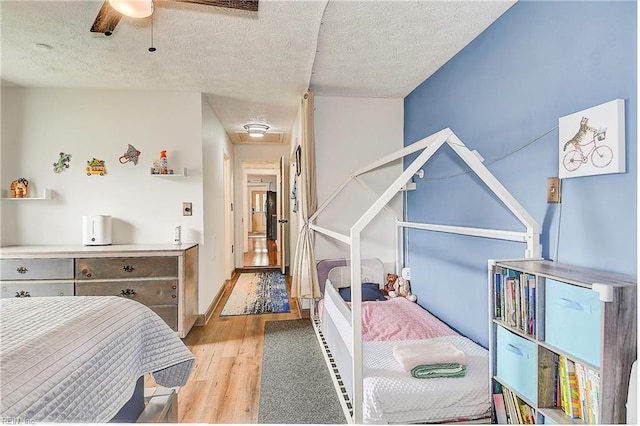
point(253, 168)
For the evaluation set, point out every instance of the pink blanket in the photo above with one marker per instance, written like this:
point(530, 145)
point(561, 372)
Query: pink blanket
point(399, 319)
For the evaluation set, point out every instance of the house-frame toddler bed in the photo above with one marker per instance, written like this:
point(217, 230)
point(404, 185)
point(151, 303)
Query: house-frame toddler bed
point(343, 326)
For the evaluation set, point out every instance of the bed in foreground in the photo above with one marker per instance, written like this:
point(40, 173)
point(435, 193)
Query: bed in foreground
point(391, 394)
point(78, 359)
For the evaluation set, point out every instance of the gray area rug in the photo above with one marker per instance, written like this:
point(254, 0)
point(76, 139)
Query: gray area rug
point(296, 386)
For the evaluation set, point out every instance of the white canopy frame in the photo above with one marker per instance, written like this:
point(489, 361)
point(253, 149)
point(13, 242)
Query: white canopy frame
point(427, 147)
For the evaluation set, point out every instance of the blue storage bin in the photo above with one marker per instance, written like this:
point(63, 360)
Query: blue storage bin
point(517, 360)
point(573, 320)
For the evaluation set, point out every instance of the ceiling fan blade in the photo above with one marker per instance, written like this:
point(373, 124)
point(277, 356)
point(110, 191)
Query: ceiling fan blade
point(106, 20)
point(250, 5)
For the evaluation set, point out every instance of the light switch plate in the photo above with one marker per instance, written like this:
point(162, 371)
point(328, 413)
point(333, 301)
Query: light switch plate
point(186, 209)
point(553, 190)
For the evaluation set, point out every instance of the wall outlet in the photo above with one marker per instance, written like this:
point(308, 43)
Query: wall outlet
point(186, 209)
point(553, 190)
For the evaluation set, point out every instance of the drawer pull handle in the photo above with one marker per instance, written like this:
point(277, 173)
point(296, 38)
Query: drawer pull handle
point(173, 296)
point(128, 268)
point(86, 273)
point(572, 304)
point(127, 293)
point(174, 287)
point(21, 270)
point(516, 350)
point(61, 293)
point(22, 293)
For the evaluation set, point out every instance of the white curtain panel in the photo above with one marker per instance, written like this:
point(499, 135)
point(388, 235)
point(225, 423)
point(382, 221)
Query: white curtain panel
point(304, 283)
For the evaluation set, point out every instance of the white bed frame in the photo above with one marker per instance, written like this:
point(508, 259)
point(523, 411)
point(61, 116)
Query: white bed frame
point(426, 148)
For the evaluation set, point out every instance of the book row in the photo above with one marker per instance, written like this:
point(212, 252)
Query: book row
point(577, 390)
point(510, 409)
point(515, 300)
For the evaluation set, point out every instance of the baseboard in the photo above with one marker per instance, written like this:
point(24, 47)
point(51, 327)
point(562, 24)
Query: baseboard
point(203, 319)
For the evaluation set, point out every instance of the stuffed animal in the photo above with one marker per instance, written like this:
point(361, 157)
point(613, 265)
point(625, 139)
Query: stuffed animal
point(388, 287)
point(401, 288)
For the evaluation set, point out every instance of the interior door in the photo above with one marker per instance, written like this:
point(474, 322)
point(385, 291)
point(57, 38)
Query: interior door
point(283, 221)
point(258, 214)
point(272, 215)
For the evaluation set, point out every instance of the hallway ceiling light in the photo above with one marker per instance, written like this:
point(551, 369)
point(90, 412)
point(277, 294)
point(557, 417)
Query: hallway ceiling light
point(133, 8)
point(256, 130)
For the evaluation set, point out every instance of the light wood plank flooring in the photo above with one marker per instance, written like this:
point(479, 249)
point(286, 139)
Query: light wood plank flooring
point(262, 252)
point(224, 386)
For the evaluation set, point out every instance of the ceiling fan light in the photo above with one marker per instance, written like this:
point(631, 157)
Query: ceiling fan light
point(133, 8)
point(256, 130)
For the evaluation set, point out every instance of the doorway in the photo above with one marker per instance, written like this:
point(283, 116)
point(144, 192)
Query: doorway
point(263, 238)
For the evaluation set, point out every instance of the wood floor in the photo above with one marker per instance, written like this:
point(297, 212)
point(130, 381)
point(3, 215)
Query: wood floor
point(224, 386)
point(262, 252)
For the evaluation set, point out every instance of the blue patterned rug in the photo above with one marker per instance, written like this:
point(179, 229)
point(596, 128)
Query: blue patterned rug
point(258, 293)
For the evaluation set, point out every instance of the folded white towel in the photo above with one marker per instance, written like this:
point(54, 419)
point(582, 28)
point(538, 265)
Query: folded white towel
point(412, 355)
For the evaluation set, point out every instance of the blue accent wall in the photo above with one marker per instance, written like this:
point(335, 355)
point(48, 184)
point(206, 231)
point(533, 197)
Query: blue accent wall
point(539, 61)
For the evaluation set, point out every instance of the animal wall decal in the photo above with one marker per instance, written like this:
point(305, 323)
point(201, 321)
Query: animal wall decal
point(63, 163)
point(132, 155)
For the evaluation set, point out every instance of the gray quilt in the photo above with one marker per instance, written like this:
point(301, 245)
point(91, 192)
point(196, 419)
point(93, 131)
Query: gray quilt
point(77, 359)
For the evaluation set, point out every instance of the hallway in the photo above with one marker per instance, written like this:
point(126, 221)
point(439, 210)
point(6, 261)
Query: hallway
point(262, 252)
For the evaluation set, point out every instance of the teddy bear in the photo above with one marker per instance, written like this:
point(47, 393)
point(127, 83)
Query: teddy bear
point(388, 287)
point(401, 288)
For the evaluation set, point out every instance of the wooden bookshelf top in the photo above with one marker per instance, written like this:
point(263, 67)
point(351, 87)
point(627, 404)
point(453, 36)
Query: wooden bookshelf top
point(569, 273)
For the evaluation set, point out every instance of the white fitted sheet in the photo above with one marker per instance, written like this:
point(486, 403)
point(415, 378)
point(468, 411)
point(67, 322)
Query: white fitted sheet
point(392, 395)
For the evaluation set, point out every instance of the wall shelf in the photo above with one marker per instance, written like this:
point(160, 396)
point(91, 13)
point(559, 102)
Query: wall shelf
point(46, 195)
point(177, 173)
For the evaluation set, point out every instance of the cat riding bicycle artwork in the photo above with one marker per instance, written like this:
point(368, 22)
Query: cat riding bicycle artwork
point(599, 155)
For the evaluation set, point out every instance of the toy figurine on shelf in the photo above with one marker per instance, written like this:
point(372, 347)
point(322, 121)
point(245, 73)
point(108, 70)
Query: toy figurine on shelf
point(163, 162)
point(160, 167)
point(20, 188)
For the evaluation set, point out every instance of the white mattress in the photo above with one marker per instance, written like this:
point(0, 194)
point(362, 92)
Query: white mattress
point(391, 395)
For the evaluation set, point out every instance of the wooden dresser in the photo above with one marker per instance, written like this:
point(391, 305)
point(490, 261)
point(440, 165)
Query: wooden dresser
point(162, 276)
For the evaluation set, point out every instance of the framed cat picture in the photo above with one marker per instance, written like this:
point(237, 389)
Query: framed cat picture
point(592, 141)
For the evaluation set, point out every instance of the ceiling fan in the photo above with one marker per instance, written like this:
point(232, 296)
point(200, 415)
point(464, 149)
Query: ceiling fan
point(108, 17)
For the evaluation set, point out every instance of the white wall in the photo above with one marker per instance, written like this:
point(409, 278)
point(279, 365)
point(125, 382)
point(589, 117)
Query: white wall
point(215, 145)
point(351, 133)
point(37, 124)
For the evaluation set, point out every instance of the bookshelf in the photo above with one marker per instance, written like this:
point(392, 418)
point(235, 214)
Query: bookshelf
point(562, 340)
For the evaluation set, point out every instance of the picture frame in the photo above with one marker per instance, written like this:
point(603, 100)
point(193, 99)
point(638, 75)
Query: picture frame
point(592, 141)
point(298, 159)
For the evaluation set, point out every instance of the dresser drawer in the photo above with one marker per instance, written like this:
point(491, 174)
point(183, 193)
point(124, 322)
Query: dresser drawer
point(126, 267)
point(148, 292)
point(517, 363)
point(36, 269)
point(573, 320)
point(36, 289)
point(169, 313)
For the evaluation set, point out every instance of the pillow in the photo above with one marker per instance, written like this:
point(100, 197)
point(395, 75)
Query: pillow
point(340, 276)
point(370, 292)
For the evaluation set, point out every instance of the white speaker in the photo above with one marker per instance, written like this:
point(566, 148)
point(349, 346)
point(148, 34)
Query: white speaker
point(96, 230)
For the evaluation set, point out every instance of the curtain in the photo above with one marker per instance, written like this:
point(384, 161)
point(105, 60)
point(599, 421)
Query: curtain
point(304, 282)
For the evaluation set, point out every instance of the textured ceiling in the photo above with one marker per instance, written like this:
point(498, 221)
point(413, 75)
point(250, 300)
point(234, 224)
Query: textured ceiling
point(252, 66)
